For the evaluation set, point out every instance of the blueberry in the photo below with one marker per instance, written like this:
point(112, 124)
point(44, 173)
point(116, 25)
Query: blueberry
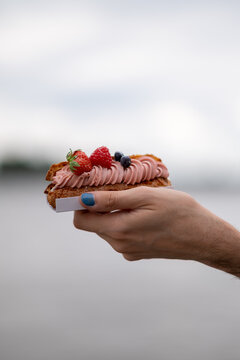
point(118, 155)
point(125, 161)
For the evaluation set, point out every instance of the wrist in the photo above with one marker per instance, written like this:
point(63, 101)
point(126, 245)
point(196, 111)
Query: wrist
point(223, 247)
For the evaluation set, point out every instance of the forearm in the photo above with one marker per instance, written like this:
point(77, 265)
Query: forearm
point(222, 246)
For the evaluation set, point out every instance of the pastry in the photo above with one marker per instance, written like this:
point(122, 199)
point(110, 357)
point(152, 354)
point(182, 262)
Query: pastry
point(101, 171)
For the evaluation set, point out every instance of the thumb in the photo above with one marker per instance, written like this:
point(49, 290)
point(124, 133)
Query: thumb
point(105, 201)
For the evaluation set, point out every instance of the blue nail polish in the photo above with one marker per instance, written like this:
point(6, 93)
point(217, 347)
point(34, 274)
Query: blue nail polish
point(88, 199)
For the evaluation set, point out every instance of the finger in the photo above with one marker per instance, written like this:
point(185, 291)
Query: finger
point(88, 221)
point(94, 222)
point(132, 257)
point(105, 201)
point(123, 246)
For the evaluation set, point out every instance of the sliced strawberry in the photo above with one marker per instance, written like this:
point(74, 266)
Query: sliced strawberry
point(101, 156)
point(79, 162)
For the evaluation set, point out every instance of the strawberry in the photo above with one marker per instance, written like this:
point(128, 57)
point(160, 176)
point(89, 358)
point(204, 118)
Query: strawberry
point(79, 162)
point(101, 156)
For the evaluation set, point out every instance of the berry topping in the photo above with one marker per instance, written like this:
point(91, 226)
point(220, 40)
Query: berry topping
point(125, 161)
point(118, 155)
point(79, 162)
point(101, 156)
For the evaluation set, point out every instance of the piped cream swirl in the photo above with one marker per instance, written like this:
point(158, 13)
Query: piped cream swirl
point(144, 168)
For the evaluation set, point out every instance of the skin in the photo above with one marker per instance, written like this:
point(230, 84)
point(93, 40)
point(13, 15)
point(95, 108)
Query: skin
point(145, 222)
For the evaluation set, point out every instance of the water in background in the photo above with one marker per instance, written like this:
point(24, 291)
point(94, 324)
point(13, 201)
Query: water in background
point(65, 294)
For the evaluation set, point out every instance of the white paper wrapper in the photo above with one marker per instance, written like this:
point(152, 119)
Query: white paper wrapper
point(73, 203)
point(68, 204)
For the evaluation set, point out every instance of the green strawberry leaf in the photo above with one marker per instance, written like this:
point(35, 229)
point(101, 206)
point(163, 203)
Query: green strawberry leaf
point(75, 164)
point(69, 155)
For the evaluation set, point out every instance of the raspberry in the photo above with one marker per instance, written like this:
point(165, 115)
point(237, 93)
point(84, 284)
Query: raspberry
point(101, 156)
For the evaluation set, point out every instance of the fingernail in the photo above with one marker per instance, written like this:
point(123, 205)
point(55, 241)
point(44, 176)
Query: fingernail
point(88, 199)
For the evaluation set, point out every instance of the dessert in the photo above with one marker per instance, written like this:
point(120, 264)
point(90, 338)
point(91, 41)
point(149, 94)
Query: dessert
point(101, 171)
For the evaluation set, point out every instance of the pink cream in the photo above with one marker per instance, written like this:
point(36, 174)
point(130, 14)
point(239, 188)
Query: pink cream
point(141, 169)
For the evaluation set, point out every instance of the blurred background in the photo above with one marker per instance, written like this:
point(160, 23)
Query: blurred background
point(139, 77)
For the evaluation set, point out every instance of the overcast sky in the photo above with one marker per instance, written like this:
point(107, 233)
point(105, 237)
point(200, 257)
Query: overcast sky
point(137, 76)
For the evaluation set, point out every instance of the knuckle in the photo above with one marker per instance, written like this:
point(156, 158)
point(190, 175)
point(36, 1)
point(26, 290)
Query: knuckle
point(119, 247)
point(112, 200)
point(130, 257)
point(76, 220)
point(122, 246)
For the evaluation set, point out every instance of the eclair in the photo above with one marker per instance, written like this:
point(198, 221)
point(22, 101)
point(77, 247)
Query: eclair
point(101, 171)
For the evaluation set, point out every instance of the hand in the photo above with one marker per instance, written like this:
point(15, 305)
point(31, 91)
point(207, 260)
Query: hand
point(147, 222)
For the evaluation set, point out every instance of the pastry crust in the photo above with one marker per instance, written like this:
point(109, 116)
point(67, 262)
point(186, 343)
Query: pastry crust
point(53, 169)
point(68, 191)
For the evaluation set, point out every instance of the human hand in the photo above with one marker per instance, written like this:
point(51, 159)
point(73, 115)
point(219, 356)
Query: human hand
point(144, 222)
point(149, 222)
